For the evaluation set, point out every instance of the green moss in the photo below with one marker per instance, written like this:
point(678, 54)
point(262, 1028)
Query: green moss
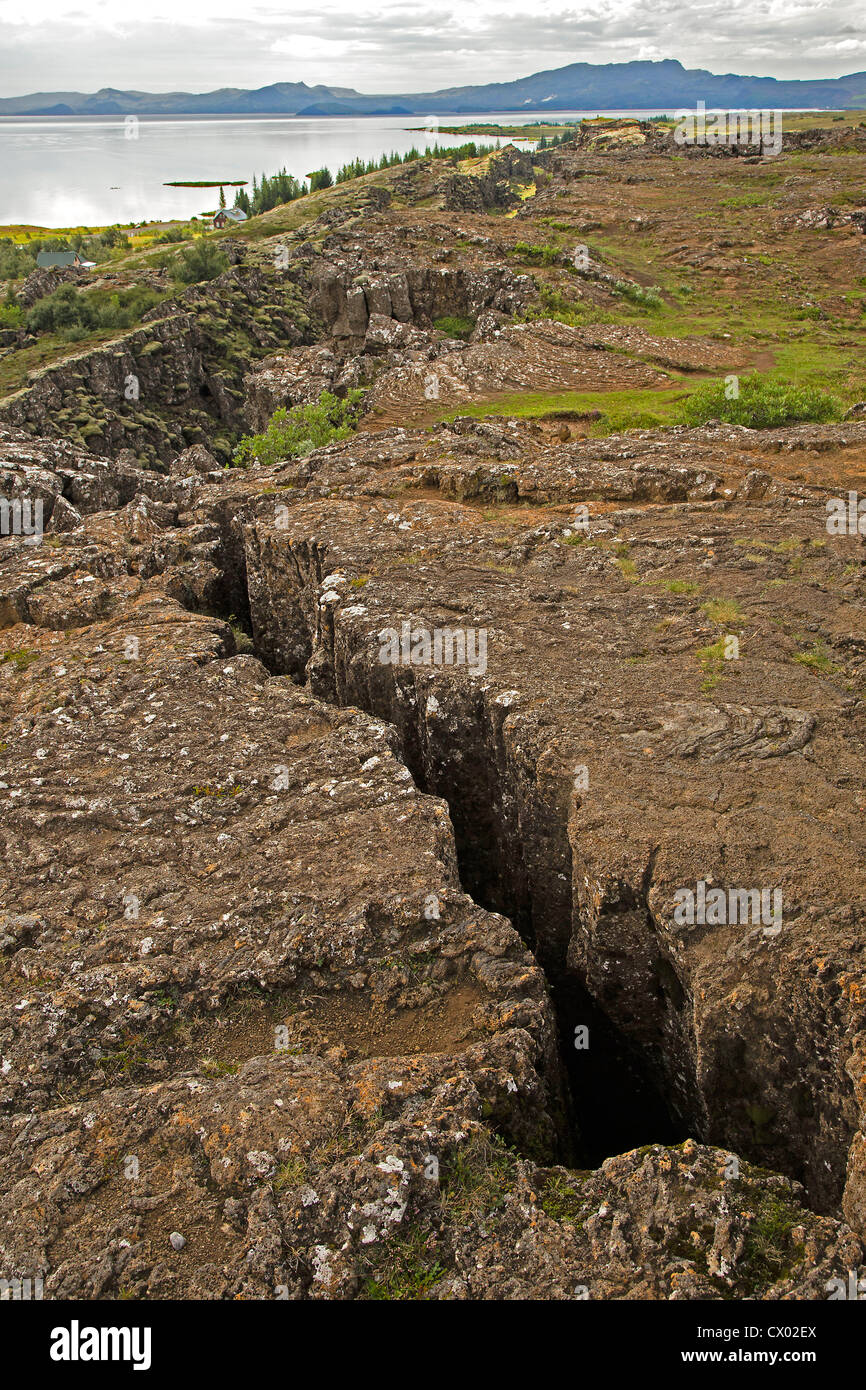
point(20, 658)
point(769, 1251)
point(561, 1198)
point(454, 326)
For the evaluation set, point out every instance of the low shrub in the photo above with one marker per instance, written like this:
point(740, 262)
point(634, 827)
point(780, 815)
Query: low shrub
point(761, 403)
point(291, 433)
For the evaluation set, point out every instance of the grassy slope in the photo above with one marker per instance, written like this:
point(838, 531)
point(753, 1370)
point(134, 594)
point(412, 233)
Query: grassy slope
point(793, 297)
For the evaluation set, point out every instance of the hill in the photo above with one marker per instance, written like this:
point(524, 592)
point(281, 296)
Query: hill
point(601, 87)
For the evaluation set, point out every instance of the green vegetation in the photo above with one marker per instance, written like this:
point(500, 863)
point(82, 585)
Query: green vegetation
point(410, 1271)
point(561, 1199)
point(170, 236)
point(536, 255)
point(18, 260)
point(625, 564)
point(619, 410)
point(552, 304)
point(745, 200)
point(282, 188)
point(681, 586)
point(761, 403)
point(295, 432)
point(212, 1066)
point(201, 260)
point(244, 645)
point(770, 1251)
point(454, 326)
point(291, 1173)
point(74, 314)
point(722, 610)
point(270, 193)
point(129, 1060)
point(20, 658)
point(548, 133)
point(817, 658)
point(476, 1183)
point(357, 168)
point(712, 661)
point(636, 294)
point(320, 178)
point(11, 315)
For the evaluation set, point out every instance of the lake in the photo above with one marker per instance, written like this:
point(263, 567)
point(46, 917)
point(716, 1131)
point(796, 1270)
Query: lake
point(96, 170)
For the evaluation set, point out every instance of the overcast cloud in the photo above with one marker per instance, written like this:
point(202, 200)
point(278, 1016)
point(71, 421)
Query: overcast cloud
point(197, 45)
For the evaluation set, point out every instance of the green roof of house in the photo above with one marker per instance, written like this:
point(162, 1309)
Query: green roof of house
point(53, 260)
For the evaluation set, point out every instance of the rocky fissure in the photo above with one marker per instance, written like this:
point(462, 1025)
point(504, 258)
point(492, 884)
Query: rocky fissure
point(513, 851)
point(472, 743)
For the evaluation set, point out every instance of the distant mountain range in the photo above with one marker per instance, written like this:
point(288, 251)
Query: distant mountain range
point(579, 86)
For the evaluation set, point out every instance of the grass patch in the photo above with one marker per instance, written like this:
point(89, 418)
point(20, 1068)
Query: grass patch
point(290, 1174)
point(479, 1179)
point(817, 658)
point(722, 610)
point(769, 1251)
point(762, 403)
point(412, 1269)
point(620, 410)
point(712, 661)
point(745, 200)
point(625, 564)
point(454, 326)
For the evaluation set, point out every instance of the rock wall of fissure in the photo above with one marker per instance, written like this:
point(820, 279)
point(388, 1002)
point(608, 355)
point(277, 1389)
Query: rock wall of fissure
point(675, 1051)
point(494, 766)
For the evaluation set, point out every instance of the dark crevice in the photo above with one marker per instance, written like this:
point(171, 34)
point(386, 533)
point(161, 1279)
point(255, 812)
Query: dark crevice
point(614, 1099)
point(607, 966)
point(617, 1103)
point(637, 1082)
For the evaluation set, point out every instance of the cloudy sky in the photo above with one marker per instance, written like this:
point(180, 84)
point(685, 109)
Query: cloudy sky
point(197, 45)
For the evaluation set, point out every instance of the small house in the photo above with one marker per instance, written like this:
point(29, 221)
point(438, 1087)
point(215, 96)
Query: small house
point(226, 216)
point(60, 260)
